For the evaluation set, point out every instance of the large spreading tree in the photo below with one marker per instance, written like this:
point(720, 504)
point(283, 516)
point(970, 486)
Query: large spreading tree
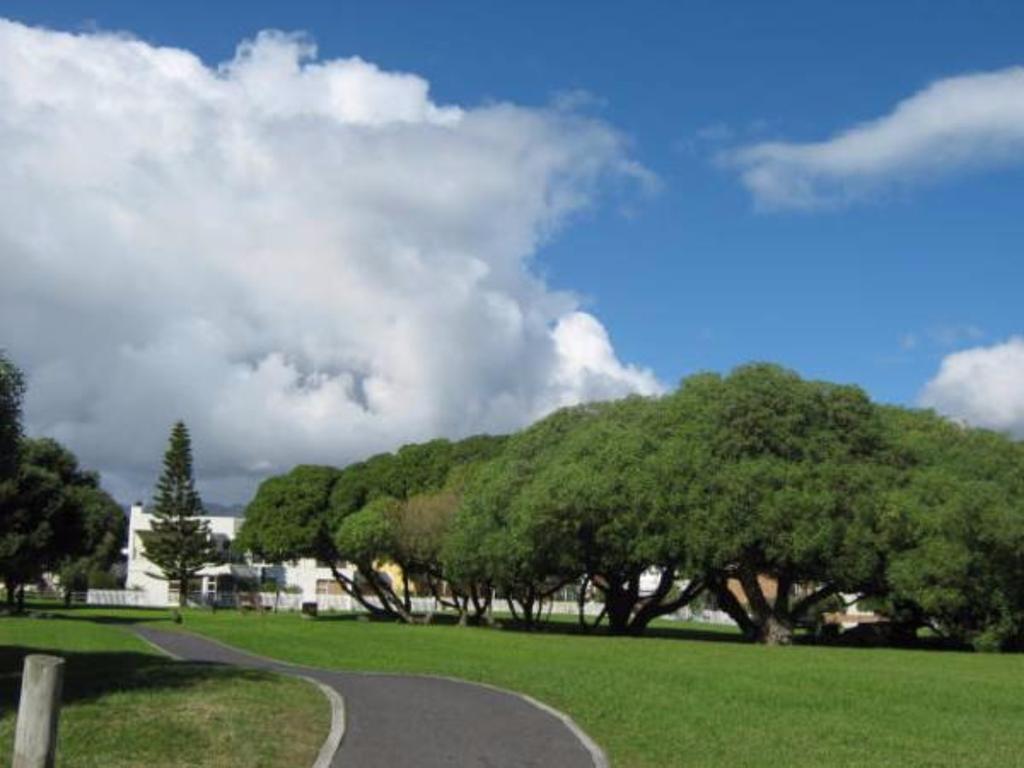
point(393, 507)
point(579, 500)
point(954, 532)
point(784, 480)
point(496, 540)
point(778, 496)
point(179, 542)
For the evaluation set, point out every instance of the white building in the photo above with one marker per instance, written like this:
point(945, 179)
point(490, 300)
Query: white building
point(305, 578)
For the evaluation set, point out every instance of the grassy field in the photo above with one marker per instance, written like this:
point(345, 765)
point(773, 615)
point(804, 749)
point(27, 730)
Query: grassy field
point(689, 698)
point(126, 705)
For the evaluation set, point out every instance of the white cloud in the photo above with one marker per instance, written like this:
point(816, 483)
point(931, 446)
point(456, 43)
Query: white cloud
point(587, 366)
point(974, 120)
point(307, 260)
point(984, 386)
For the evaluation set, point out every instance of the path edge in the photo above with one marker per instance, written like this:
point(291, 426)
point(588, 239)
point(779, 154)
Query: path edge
point(334, 738)
point(335, 735)
point(597, 755)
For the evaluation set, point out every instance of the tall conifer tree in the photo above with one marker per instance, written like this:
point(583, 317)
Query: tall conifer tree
point(179, 544)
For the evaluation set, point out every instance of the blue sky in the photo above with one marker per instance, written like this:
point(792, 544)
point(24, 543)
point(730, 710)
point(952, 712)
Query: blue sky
point(886, 269)
point(694, 277)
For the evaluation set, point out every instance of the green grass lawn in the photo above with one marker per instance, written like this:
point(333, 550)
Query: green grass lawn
point(687, 697)
point(127, 705)
point(696, 702)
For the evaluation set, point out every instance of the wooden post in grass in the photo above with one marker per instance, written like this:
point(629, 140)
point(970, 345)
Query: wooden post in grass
point(35, 736)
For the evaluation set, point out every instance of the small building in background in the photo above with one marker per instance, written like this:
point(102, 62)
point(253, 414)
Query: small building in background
point(221, 584)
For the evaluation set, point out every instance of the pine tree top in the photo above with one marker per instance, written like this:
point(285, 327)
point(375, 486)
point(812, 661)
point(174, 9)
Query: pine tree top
point(176, 494)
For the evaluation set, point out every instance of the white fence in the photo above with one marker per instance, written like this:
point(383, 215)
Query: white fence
point(289, 601)
point(121, 598)
point(704, 616)
point(571, 608)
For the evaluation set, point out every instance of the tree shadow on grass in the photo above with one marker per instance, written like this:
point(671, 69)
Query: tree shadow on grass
point(556, 627)
point(662, 632)
point(105, 620)
point(90, 613)
point(90, 675)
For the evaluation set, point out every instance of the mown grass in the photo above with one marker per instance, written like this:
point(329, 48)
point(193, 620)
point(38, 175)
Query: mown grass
point(699, 699)
point(127, 705)
point(687, 697)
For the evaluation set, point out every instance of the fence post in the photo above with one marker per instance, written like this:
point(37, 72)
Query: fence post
point(35, 736)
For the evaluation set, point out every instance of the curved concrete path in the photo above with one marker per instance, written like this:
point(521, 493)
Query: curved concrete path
point(399, 721)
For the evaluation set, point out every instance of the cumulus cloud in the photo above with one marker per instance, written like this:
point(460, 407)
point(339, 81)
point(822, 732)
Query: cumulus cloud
point(984, 386)
point(308, 260)
point(963, 122)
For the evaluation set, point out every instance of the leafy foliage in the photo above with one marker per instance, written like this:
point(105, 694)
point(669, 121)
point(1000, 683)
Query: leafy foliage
point(286, 520)
point(393, 507)
point(179, 542)
point(773, 494)
point(783, 477)
point(12, 389)
point(55, 517)
point(956, 536)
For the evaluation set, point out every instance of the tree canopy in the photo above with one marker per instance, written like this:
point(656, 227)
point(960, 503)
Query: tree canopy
point(783, 478)
point(55, 517)
point(393, 507)
point(771, 494)
point(12, 389)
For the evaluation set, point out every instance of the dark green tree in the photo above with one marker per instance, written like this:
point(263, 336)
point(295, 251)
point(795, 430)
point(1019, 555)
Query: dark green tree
point(179, 542)
point(785, 480)
point(55, 518)
point(306, 512)
point(600, 493)
point(397, 508)
point(101, 530)
point(12, 389)
point(34, 512)
point(954, 532)
point(499, 538)
point(287, 518)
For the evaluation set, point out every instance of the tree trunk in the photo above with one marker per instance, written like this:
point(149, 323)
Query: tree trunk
point(527, 613)
point(526, 604)
point(769, 623)
point(512, 608)
point(481, 604)
point(406, 597)
point(655, 606)
point(728, 602)
point(775, 631)
point(620, 607)
point(621, 595)
point(349, 587)
point(388, 599)
point(581, 601)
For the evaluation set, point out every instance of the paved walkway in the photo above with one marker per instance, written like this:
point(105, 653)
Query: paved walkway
point(396, 721)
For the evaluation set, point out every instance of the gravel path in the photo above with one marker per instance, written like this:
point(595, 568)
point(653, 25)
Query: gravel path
point(401, 721)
